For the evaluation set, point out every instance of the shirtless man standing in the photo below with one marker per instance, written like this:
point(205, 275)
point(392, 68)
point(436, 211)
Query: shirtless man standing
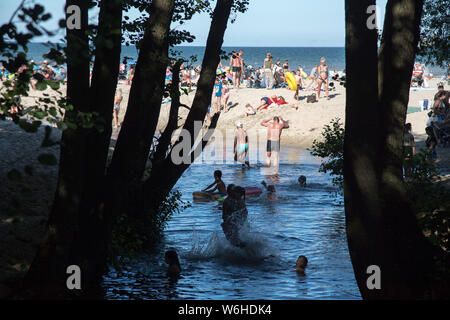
point(236, 67)
point(273, 137)
point(323, 78)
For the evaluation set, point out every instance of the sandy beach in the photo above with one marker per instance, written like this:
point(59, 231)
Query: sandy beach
point(32, 196)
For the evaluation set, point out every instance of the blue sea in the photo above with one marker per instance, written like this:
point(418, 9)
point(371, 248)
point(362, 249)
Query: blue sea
point(307, 57)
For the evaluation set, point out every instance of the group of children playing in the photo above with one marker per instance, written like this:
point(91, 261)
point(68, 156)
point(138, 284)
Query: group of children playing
point(234, 216)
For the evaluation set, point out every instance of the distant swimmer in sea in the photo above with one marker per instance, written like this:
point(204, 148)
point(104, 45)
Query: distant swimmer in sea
point(302, 181)
point(241, 145)
point(301, 264)
point(172, 260)
point(218, 185)
point(270, 188)
point(234, 215)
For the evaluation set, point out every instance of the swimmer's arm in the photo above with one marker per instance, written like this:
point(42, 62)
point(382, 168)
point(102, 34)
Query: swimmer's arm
point(265, 123)
point(210, 186)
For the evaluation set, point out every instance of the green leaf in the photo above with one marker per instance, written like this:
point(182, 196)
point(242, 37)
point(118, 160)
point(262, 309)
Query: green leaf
point(14, 175)
point(41, 86)
point(29, 170)
point(53, 84)
point(27, 126)
point(47, 159)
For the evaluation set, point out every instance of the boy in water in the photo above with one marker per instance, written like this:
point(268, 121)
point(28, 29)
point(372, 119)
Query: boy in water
point(301, 264)
point(241, 145)
point(218, 185)
point(302, 181)
point(234, 215)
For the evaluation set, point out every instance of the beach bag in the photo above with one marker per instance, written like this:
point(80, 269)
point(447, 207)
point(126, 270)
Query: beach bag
point(311, 98)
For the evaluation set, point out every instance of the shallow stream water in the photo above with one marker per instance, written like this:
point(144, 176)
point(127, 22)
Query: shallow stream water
point(294, 221)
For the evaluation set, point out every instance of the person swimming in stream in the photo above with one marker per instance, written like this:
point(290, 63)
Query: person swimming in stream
point(218, 185)
point(234, 215)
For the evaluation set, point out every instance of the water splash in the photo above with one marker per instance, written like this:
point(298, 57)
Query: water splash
point(216, 246)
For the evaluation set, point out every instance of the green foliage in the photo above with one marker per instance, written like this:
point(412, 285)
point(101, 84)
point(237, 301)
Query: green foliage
point(430, 198)
point(434, 44)
point(47, 159)
point(132, 235)
point(14, 175)
point(331, 148)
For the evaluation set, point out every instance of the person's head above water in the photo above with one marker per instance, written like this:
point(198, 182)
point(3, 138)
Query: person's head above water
point(218, 174)
point(301, 264)
point(239, 124)
point(276, 119)
point(302, 181)
point(171, 258)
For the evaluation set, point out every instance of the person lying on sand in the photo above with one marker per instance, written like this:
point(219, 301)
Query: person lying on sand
point(218, 185)
point(266, 102)
point(301, 264)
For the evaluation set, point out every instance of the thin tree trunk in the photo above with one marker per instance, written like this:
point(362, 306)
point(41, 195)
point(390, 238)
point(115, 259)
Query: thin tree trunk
point(409, 252)
point(47, 273)
point(360, 145)
point(167, 173)
point(144, 103)
point(91, 244)
point(165, 139)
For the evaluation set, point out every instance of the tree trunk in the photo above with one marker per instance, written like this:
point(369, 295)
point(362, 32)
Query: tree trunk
point(360, 144)
point(165, 175)
point(77, 226)
point(47, 274)
point(382, 228)
point(144, 103)
point(165, 139)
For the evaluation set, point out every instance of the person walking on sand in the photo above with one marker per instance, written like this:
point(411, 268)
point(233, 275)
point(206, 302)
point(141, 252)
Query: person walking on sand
point(323, 78)
point(274, 128)
point(241, 145)
point(268, 75)
point(117, 100)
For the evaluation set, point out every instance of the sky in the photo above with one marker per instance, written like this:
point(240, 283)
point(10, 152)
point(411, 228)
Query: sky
point(267, 23)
